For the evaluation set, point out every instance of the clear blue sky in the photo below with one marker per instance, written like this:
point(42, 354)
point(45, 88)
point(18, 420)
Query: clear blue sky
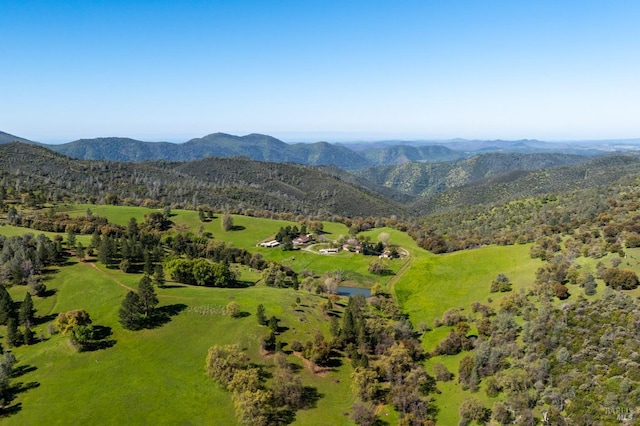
point(320, 70)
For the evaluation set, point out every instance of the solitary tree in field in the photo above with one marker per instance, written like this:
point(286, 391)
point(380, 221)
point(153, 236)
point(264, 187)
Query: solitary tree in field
point(67, 321)
point(501, 283)
point(232, 309)
point(227, 222)
point(261, 315)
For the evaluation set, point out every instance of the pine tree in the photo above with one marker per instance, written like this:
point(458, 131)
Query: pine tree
point(261, 315)
point(71, 239)
point(14, 337)
point(147, 296)
point(95, 240)
point(80, 251)
point(27, 311)
point(158, 275)
point(6, 306)
point(131, 312)
point(106, 251)
point(148, 263)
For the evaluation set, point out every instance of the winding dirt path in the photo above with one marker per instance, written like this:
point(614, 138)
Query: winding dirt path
point(123, 285)
point(120, 283)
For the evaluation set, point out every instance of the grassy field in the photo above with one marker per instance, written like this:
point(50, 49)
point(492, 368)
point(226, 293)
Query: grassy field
point(157, 376)
point(435, 284)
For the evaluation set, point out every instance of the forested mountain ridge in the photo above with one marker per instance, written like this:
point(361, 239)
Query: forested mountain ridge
point(400, 154)
point(222, 183)
point(350, 156)
point(254, 146)
point(523, 183)
point(425, 178)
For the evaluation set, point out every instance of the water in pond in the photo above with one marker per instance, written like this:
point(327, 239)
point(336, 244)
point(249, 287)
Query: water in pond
point(352, 291)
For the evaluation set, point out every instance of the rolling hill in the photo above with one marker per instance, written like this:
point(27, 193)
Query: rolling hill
point(236, 183)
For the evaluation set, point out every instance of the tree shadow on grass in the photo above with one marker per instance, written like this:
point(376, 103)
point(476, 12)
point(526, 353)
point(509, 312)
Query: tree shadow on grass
point(14, 389)
point(173, 286)
point(163, 314)
point(45, 319)
point(22, 370)
point(310, 397)
point(334, 362)
point(281, 329)
point(48, 292)
point(283, 416)
point(100, 339)
point(11, 410)
point(241, 284)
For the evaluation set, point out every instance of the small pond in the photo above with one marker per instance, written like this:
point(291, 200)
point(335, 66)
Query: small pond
point(352, 291)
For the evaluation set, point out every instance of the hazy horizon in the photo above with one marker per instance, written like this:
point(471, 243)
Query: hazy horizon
point(336, 138)
point(330, 70)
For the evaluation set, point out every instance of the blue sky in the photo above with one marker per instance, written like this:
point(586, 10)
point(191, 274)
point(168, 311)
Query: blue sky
point(320, 70)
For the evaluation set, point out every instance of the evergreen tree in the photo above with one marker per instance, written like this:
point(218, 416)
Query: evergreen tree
point(132, 228)
point(106, 251)
point(261, 315)
point(6, 306)
point(14, 337)
point(148, 263)
point(27, 311)
point(158, 275)
point(147, 296)
point(95, 240)
point(27, 336)
point(273, 323)
point(71, 239)
point(80, 251)
point(131, 312)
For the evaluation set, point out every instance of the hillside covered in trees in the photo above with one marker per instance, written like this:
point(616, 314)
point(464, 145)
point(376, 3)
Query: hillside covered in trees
point(239, 184)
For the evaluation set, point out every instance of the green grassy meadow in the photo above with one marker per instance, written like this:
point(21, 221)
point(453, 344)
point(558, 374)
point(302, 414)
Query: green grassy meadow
point(156, 376)
point(435, 284)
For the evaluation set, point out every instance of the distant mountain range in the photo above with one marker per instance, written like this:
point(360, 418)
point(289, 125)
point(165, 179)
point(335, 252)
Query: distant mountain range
point(346, 156)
